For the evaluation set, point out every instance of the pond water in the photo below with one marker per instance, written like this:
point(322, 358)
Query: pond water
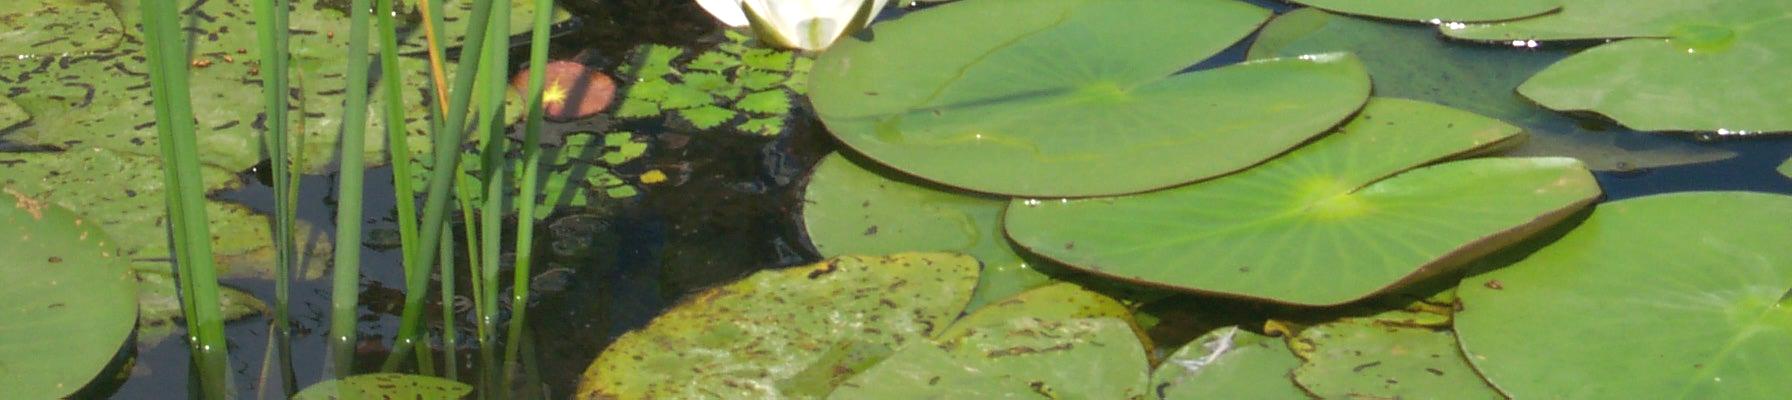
point(729, 209)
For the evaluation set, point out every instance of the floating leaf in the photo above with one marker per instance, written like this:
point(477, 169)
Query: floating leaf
point(654, 61)
point(714, 84)
point(745, 339)
point(69, 301)
point(386, 386)
point(1059, 301)
point(1786, 168)
point(773, 102)
point(56, 27)
point(714, 61)
point(682, 96)
point(759, 80)
point(1363, 359)
point(1413, 63)
point(1669, 296)
point(633, 108)
point(10, 114)
point(1042, 102)
point(767, 59)
point(1683, 65)
point(853, 208)
point(1095, 358)
point(1438, 11)
point(1228, 363)
point(159, 312)
point(706, 117)
point(763, 126)
point(1337, 220)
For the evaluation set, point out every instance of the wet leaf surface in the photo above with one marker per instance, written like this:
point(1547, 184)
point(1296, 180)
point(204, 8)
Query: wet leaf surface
point(1042, 103)
point(1058, 301)
point(1228, 363)
point(69, 303)
point(1667, 296)
point(1025, 358)
point(386, 386)
point(56, 27)
point(1356, 358)
point(1347, 216)
point(1434, 11)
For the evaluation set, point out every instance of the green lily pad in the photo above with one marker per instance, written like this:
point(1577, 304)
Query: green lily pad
point(752, 338)
point(56, 27)
point(123, 194)
point(1438, 11)
point(159, 315)
point(69, 301)
point(853, 208)
point(1363, 359)
point(1677, 295)
point(1024, 358)
point(386, 386)
point(1228, 363)
point(1413, 63)
point(1057, 301)
point(10, 114)
point(1041, 102)
point(1337, 220)
point(1703, 65)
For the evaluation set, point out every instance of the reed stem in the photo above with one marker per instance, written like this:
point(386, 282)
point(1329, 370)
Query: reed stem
point(525, 227)
point(272, 33)
point(347, 283)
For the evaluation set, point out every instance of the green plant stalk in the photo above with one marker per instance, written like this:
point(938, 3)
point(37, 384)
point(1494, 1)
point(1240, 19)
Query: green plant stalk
point(399, 152)
point(346, 286)
point(205, 319)
point(525, 227)
point(450, 360)
point(464, 186)
point(447, 155)
point(271, 18)
point(494, 76)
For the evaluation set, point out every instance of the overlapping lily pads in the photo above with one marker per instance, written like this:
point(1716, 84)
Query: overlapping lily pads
point(1337, 220)
point(56, 27)
point(386, 386)
point(70, 299)
point(1702, 65)
point(1410, 61)
point(1047, 104)
point(1436, 11)
point(1677, 295)
point(1363, 359)
point(1228, 363)
point(791, 333)
point(1082, 358)
point(853, 208)
point(1058, 301)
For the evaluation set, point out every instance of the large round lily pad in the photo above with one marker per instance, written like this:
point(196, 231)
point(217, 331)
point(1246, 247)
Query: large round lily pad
point(1228, 363)
point(1700, 65)
point(1436, 11)
point(70, 299)
point(1074, 97)
point(790, 333)
point(1333, 221)
point(1024, 358)
point(1669, 296)
point(853, 208)
point(1410, 61)
point(56, 27)
point(386, 386)
point(1364, 359)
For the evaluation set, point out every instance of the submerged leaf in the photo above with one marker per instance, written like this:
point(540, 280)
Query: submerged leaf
point(69, 301)
point(1337, 220)
point(1228, 363)
point(159, 311)
point(1044, 103)
point(1677, 295)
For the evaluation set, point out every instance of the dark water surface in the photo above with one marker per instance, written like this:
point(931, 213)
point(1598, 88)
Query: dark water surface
point(729, 209)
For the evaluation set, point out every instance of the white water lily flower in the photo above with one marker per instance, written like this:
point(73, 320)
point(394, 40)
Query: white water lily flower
point(797, 24)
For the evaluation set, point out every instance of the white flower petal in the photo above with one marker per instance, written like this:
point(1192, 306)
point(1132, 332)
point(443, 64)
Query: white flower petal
point(727, 11)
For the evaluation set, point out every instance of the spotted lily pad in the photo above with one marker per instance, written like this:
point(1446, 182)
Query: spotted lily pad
point(1436, 11)
point(10, 114)
point(1041, 102)
point(1023, 358)
point(1363, 359)
point(1412, 62)
point(56, 27)
point(69, 301)
point(853, 208)
point(1701, 65)
point(1057, 301)
point(1337, 220)
point(755, 338)
point(1228, 363)
point(1677, 295)
point(386, 386)
point(159, 315)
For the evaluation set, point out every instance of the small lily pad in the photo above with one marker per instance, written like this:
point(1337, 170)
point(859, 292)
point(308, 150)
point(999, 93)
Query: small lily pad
point(69, 301)
point(1701, 65)
point(1041, 102)
point(751, 338)
point(1356, 358)
point(1436, 11)
point(853, 208)
point(386, 386)
point(1023, 358)
point(1228, 363)
point(1412, 62)
point(1678, 295)
point(1337, 220)
point(1057, 301)
point(56, 27)
point(159, 314)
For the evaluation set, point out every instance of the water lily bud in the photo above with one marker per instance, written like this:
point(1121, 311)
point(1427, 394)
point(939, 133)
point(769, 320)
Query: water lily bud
point(797, 24)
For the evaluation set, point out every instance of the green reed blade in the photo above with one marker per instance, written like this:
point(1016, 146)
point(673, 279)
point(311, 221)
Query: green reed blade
point(494, 83)
point(272, 34)
point(525, 227)
point(346, 286)
point(450, 358)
